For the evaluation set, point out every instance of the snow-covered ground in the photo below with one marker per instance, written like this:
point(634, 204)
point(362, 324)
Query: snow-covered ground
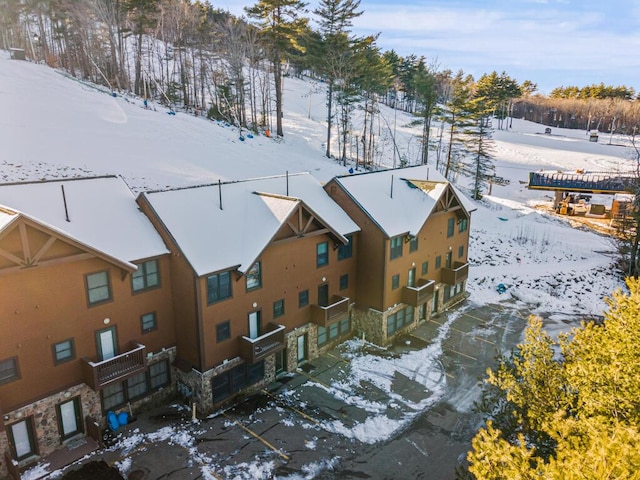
point(52, 126)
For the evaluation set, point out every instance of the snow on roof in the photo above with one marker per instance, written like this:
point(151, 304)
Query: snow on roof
point(404, 206)
point(6, 217)
point(216, 235)
point(102, 214)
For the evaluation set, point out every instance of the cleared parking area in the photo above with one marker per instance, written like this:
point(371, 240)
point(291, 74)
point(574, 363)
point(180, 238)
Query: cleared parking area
point(359, 411)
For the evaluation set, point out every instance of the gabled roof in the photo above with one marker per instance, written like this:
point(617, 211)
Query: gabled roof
point(399, 201)
point(102, 214)
point(228, 225)
point(12, 219)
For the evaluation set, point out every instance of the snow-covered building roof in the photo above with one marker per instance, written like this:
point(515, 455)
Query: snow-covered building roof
point(219, 226)
point(99, 212)
point(399, 201)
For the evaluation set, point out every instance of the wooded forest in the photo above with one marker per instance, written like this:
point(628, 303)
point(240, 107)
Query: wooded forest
point(194, 57)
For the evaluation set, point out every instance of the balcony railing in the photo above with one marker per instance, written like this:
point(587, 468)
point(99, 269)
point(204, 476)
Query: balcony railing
point(421, 293)
point(455, 275)
point(101, 374)
point(326, 315)
point(254, 350)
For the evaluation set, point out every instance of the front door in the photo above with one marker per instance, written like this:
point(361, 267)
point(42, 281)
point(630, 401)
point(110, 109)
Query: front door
point(69, 418)
point(281, 361)
point(423, 312)
point(22, 437)
point(435, 302)
point(107, 343)
point(323, 295)
point(254, 324)
point(302, 348)
point(411, 282)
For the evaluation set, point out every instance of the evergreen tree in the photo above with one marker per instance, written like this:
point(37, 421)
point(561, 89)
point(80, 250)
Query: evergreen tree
point(570, 416)
point(426, 92)
point(280, 25)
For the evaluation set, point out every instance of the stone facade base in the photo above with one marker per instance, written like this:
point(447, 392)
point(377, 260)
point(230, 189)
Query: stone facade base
point(43, 417)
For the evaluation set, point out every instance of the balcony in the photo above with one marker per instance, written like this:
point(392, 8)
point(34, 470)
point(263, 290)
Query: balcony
point(421, 293)
point(253, 350)
point(326, 315)
point(101, 374)
point(455, 275)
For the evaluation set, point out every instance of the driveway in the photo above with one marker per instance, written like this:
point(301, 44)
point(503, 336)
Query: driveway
point(358, 411)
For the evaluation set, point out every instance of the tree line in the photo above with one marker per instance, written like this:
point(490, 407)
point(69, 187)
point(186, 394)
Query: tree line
point(190, 55)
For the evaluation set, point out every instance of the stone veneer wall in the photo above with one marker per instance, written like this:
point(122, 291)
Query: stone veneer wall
point(291, 343)
point(45, 419)
point(374, 324)
point(163, 395)
point(201, 388)
point(370, 323)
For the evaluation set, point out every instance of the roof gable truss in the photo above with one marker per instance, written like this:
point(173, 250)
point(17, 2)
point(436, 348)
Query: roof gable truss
point(448, 201)
point(302, 223)
point(27, 244)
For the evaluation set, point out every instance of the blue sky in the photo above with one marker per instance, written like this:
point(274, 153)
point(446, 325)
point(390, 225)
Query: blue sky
point(550, 42)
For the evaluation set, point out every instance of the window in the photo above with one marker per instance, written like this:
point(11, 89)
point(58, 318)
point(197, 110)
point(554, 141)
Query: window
point(278, 308)
point(254, 276)
point(346, 251)
point(113, 396)
point(146, 277)
point(451, 223)
point(413, 244)
point(447, 261)
point(399, 319)
point(223, 331)
point(425, 268)
point(303, 298)
point(63, 351)
point(411, 282)
point(334, 331)
point(22, 439)
point(344, 281)
point(322, 254)
point(98, 288)
point(137, 385)
point(461, 251)
point(463, 224)
point(438, 261)
point(395, 282)
point(159, 375)
point(218, 287)
point(236, 379)
point(9, 370)
point(396, 247)
point(148, 322)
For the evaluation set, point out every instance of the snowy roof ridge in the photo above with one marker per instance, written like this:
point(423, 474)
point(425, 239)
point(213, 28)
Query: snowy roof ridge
point(235, 235)
point(53, 180)
point(123, 263)
point(398, 204)
point(226, 182)
point(100, 213)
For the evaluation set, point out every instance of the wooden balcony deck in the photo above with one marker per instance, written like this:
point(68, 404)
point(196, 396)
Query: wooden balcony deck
point(254, 350)
point(101, 374)
point(421, 293)
point(455, 275)
point(326, 315)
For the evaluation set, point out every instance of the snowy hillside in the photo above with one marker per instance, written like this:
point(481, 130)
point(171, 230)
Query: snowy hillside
point(55, 127)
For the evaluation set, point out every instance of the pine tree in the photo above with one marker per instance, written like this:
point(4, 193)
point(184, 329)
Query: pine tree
point(427, 95)
point(573, 416)
point(280, 25)
point(335, 18)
